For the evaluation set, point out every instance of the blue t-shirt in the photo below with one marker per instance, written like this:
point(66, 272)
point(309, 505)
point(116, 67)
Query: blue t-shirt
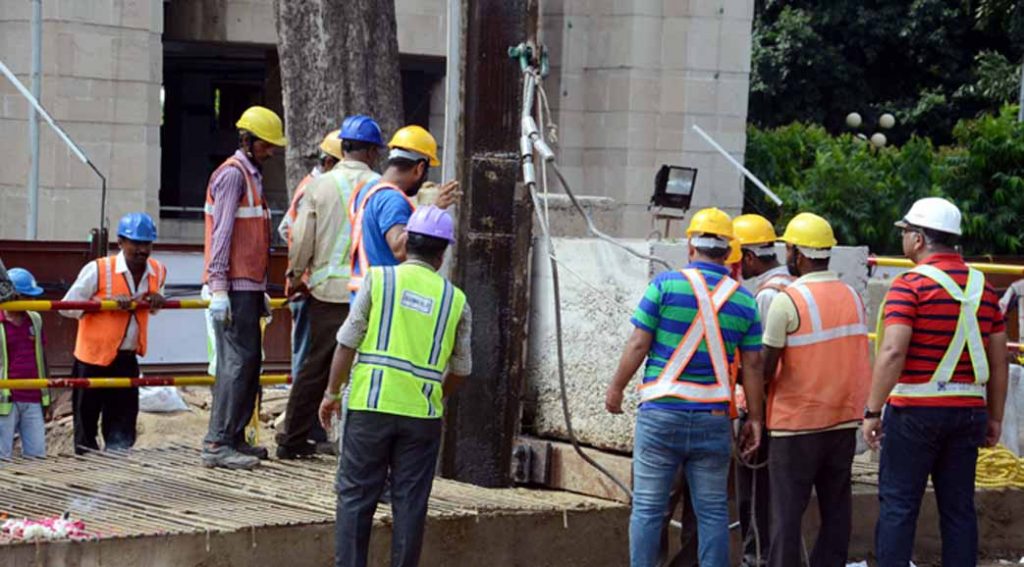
point(384, 210)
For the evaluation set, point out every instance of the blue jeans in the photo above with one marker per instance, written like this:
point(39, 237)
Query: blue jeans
point(701, 443)
point(300, 333)
point(27, 419)
point(942, 443)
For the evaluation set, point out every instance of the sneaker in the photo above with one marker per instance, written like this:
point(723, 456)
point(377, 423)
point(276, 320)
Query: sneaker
point(223, 456)
point(260, 453)
point(295, 452)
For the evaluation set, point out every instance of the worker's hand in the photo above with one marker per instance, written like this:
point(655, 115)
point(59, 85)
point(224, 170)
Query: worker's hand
point(123, 302)
point(329, 408)
point(299, 290)
point(220, 307)
point(992, 434)
point(448, 194)
point(156, 302)
point(750, 438)
point(613, 399)
point(871, 430)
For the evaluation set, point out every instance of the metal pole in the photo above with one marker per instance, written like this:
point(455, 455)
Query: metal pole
point(452, 90)
point(33, 120)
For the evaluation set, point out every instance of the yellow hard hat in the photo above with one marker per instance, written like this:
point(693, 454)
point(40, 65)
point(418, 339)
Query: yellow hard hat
point(710, 221)
point(416, 139)
point(810, 230)
point(735, 252)
point(332, 144)
point(264, 123)
point(753, 229)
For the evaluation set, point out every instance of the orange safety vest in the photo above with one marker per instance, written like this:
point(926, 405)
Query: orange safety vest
point(290, 217)
point(703, 329)
point(825, 370)
point(100, 334)
point(356, 215)
point(250, 237)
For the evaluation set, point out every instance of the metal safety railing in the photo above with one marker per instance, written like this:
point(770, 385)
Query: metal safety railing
point(90, 383)
point(985, 267)
point(107, 305)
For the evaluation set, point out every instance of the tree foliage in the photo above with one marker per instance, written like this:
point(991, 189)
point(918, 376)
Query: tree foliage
point(863, 190)
point(929, 62)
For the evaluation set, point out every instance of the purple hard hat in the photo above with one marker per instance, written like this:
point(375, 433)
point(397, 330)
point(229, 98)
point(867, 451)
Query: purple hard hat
point(432, 221)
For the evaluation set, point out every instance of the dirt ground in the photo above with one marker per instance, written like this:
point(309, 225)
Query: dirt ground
point(163, 429)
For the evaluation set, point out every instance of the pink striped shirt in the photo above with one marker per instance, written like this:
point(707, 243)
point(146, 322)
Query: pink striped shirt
point(227, 190)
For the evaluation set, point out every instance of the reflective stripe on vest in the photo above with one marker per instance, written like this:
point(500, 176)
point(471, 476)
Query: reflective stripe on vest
point(967, 335)
point(338, 264)
point(36, 320)
point(358, 255)
point(249, 253)
point(410, 337)
point(777, 282)
point(817, 333)
point(704, 328)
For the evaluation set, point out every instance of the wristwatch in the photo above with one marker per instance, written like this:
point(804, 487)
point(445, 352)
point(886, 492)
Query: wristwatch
point(332, 397)
point(868, 414)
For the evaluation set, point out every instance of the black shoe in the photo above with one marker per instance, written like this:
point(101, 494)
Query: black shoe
point(326, 448)
point(299, 452)
point(260, 453)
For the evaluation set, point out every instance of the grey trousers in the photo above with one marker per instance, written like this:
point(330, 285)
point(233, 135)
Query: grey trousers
point(310, 382)
point(376, 443)
point(239, 358)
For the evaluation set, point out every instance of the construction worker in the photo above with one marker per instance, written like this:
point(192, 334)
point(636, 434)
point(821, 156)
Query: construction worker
point(759, 263)
point(411, 329)
point(320, 247)
point(110, 342)
point(816, 368)
point(943, 369)
point(688, 326)
point(236, 260)
point(379, 212)
point(22, 356)
point(330, 155)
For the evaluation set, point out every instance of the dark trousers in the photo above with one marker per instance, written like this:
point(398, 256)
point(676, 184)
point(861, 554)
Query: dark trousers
point(797, 464)
point(688, 542)
point(324, 319)
point(239, 358)
point(758, 499)
point(113, 410)
point(921, 442)
point(374, 445)
point(300, 346)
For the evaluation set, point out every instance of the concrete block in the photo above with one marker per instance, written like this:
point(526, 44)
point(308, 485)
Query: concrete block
point(421, 34)
point(136, 14)
point(700, 96)
point(610, 42)
point(643, 131)
point(643, 158)
point(250, 21)
point(673, 42)
point(646, 43)
point(639, 184)
point(645, 92)
point(16, 45)
point(618, 85)
point(733, 97)
point(570, 129)
point(739, 9)
point(85, 53)
point(673, 93)
point(702, 45)
point(734, 46)
point(100, 12)
point(13, 208)
point(676, 8)
point(707, 8)
point(605, 158)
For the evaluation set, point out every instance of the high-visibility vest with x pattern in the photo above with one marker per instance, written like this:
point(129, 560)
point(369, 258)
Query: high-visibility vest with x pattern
point(36, 320)
point(410, 337)
point(966, 336)
point(704, 329)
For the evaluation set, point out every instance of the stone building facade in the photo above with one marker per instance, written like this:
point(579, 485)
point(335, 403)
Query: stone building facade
point(628, 80)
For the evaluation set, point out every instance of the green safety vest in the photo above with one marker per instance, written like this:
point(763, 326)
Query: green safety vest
point(409, 339)
point(338, 265)
point(37, 327)
point(967, 336)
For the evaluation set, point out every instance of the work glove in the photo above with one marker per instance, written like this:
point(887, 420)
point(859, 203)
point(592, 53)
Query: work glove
point(220, 307)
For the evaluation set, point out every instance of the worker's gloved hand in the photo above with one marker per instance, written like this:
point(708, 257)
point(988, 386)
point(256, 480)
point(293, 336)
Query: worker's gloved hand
point(220, 307)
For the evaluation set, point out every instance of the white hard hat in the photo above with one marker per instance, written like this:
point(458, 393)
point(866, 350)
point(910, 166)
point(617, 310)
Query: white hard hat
point(934, 213)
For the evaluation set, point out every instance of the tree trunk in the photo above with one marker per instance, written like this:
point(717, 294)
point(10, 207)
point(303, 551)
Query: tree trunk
point(338, 58)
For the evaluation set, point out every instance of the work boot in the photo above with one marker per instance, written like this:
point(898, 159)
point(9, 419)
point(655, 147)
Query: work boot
point(260, 453)
point(287, 452)
point(224, 456)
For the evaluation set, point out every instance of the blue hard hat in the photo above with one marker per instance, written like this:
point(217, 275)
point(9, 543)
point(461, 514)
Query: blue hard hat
point(137, 226)
point(24, 282)
point(361, 128)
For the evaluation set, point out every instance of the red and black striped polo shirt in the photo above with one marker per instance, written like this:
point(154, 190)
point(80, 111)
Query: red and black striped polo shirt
point(923, 304)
